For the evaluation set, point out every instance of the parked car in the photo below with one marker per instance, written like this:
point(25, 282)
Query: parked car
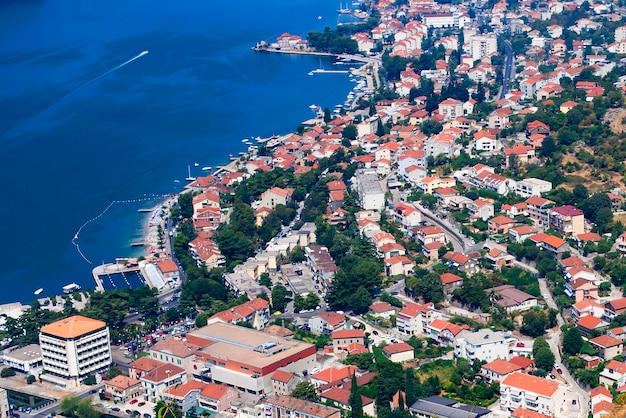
point(559, 371)
point(134, 401)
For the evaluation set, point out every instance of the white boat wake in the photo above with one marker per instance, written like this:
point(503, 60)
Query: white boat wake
point(141, 54)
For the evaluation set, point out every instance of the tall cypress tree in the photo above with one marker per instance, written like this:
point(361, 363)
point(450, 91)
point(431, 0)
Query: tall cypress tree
point(356, 403)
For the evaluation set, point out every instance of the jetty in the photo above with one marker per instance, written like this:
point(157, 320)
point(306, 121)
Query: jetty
point(144, 210)
point(137, 244)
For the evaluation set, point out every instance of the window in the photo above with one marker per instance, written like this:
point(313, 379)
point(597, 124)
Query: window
point(221, 364)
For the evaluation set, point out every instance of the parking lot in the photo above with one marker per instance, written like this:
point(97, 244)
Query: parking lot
point(300, 278)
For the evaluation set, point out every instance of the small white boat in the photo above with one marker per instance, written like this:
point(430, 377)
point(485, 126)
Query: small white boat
point(39, 291)
point(244, 140)
point(196, 164)
point(207, 168)
point(72, 287)
point(313, 106)
point(319, 18)
point(189, 178)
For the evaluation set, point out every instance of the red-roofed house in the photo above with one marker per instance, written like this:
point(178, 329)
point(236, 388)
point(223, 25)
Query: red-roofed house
point(527, 413)
point(340, 397)
point(275, 196)
point(186, 395)
point(607, 347)
point(531, 392)
point(522, 154)
point(255, 312)
point(332, 374)
point(450, 282)
point(344, 337)
point(500, 225)
point(283, 382)
point(383, 309)
point(444, 332)
point(407, 215)
point(326, 322)
point(599, 397)
point(414, 318)
point(160, 379)
point(218, 398)
point(550, 243)
point(123, 388)
point(589, 323)
point(462, 262)
point(398, 265)
point(614, 372)
point(498, 369)
point(399, 352)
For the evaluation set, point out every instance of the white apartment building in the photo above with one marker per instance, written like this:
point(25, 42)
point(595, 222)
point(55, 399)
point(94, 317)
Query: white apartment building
point(74, 348)
point(371, 194)
point(532, 187)
point(485, 345)
point(483, 45)
point(531, 392)
point(414, 318)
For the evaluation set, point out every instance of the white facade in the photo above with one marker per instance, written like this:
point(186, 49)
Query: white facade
point(483, 45)
point(371, 194)
point(73, 349)
point(532, 187)
point(485, 345)
point(531, 392)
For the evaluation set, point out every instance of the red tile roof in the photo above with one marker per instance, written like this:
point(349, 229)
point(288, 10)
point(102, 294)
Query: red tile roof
point(400, 347)
point(605, 341)
point(348, 333)
point(531, 384)
point(282, 376)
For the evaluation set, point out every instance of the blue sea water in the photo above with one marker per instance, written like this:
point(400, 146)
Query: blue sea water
point(77, 133)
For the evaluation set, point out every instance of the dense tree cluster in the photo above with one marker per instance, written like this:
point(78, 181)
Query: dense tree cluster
point(330, 41)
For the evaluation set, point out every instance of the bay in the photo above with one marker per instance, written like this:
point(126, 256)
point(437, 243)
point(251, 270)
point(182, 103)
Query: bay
point(80, 132)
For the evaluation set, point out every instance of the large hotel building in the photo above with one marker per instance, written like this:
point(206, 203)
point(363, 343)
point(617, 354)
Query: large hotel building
point(73, 349)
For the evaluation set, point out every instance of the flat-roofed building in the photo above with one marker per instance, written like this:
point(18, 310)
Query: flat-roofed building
point(26, 360)
point(371, 194)
point(246, 358)
point(284, 406)
point(73, 349)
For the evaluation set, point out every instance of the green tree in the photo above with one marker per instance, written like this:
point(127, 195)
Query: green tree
point(306, 391)
point(30, 379)
point(350, 132)
point(539, 343)
point(355, 401)
point(7, 372)
point(572, 341)
point(297, 255)
point(265, 280)
point(431, 127)
point(360, 301)
point(427, 285)
point(89, 380)
point(534, 324)
point(279, 295)
point(327, 117)
point(164, 409)
point(544, 358)
point(185, 202)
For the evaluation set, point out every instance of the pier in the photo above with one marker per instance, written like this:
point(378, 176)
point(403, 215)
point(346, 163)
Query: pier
point(137, 244)
point(144, 210)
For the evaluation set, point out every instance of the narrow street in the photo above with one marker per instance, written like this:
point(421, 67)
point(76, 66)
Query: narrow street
point(553, 337)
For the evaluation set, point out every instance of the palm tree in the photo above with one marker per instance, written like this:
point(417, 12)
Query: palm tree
point(164, 409)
